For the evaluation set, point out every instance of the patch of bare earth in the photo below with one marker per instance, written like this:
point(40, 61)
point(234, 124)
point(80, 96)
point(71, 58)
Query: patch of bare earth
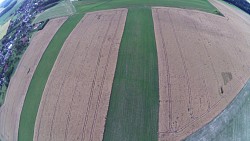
point(203, 63)
point(11, 110)
point(75, 101)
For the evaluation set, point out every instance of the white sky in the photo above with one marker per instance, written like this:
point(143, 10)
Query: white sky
point(1, 1)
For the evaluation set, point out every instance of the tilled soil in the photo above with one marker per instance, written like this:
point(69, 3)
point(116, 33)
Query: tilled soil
point(75, 101)
point(11, 110)
point(203, 64)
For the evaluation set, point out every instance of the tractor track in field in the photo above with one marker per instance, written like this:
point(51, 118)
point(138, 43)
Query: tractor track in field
point(93, 82)
point(46, 94)
point(11, 110)
point(206, 72)
point(68, 119)
point(168, 74)
point(98, 44)
point(104, 76)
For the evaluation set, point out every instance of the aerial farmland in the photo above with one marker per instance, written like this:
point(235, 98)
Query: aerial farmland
point(128, 70)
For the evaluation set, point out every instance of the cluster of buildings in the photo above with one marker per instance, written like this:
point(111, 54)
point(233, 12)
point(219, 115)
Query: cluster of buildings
point(18, 37)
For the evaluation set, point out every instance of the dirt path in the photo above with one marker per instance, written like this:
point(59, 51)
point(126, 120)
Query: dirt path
point(203, 63)
point(75, 100)
point(11, 109)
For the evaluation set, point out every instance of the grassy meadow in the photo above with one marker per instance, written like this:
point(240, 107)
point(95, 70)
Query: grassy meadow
point(134, 103)
point(3, 29)
point(64, 8)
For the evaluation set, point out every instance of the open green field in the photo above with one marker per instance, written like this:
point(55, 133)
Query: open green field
point(7, 16)
point(3, 29)
point(202, 5)
point(134, 103)
point(64, 8)
point(83, 6)
point(133, 111)
point(39, 79)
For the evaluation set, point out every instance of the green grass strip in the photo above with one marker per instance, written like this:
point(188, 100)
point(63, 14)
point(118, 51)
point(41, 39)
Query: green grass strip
point(202, 5)
point(134, 102)
point(39, 79)
point(83, 6)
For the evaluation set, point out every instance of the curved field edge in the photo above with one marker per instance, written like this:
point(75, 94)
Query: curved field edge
point(94, 5)
point(39, 79)
point(237, 122)
point(32, 100)
point(234, 115)
point(202, 5)
point(238, 128)
point(134, 103)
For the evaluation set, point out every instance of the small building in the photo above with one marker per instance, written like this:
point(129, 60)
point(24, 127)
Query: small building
point(10, 46)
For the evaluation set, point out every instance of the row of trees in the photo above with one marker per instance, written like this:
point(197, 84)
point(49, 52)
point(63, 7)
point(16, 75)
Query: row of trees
point(49, 3)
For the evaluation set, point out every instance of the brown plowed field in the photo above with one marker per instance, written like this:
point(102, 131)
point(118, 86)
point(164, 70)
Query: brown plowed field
point(11, 110)
point(203, 63)
point(75, 101)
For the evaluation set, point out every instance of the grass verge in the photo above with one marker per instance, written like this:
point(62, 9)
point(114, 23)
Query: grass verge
point(134, 102)
point(39, 79)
